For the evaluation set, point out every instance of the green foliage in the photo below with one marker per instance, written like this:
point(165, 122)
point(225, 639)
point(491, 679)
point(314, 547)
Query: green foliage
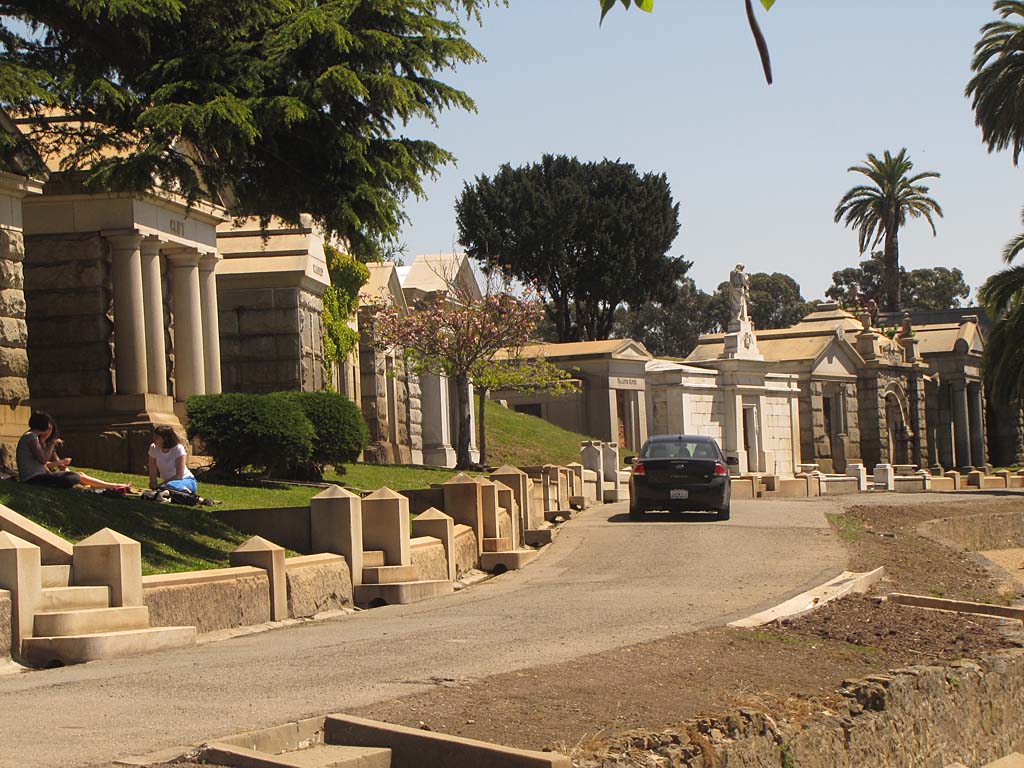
point(341, 301)
point(241, 431)
point(277, 107)
point(995, 89)
point(340, 432)
point(523, 375)
point(925, 288)
point(589, 236)
point(671, 329)
point(879, 210)
point(775, 301)
point(1002, 295)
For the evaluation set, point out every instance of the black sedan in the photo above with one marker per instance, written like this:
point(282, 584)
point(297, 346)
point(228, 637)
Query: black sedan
point(680, 472)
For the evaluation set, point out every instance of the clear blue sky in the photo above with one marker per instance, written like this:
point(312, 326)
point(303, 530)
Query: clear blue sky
point(757, 169)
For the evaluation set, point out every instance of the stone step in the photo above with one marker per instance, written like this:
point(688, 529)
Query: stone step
point(390, 574)
point(373, 558)
point(497, 545)
point(73, 598)
point(539, 537)
point(320, 756)
point(376, 595)
point(90, 621)
point(75, 649)
point(56, 575)
point(513, 560)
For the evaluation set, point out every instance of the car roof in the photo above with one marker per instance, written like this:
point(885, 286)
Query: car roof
point(673, 438)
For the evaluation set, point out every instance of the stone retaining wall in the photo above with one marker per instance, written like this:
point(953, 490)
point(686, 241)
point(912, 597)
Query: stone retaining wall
point(1004, 530)
point(919, 716)
point(428, 555)
point(317, 583)
point(466, 555)
point(208, 600)
point(6, 630)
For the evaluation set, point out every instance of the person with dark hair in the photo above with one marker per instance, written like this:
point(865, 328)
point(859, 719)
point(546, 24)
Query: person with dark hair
point(168, 463)
point(39, 464)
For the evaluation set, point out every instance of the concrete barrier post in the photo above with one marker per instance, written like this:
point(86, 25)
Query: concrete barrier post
point(386, 526)
point(336, 526)
point(21, 574)
point(884, 477)
point(955, 477)
point(591, 458)
point(858, 470)
point(610, 467)
point(260, 553)
point(926, 479)
point(463, 503)
point(1005, 475)
point(975, 478)
point(434, 522)
point(507, 501)
point(517, 480)
point(108, 558)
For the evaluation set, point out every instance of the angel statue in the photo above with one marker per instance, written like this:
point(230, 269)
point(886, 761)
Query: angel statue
point(739, 294)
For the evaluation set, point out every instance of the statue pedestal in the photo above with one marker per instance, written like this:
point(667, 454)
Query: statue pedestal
point(740, 342)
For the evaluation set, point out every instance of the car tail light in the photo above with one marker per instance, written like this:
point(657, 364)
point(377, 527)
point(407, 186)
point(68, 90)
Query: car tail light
point(720, 470)
point(639, 469)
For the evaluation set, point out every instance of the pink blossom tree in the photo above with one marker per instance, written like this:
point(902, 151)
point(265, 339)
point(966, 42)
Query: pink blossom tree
point(453, 334)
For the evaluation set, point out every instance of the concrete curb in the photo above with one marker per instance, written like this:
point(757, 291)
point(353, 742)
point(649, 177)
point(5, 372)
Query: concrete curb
point(956, 606)
point(841, 585)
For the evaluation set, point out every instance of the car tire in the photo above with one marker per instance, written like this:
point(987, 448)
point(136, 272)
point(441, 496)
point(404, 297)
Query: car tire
point(722, 513)
point(636, 513)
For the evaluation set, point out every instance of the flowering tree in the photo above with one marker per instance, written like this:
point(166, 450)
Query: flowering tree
point(456, 335)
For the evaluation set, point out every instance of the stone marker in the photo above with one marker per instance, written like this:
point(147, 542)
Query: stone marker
point(858, 470)
point(260, 553)
point(610, 465)
point(591, 458)
point(386, 525)
point(884, 477)
point(108, 558)
point(336, 526)
point(507, 501)
point(463, 503)
point(20, 574)
point(955, 477)
point(434, 522)
point(518, 481)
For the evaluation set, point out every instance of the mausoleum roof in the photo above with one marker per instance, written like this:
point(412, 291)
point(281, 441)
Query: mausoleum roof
point(942, 337)
point(620, 349)
point(432, 273)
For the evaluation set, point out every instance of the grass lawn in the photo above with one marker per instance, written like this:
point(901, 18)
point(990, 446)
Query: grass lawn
point(370, 477)
point(524, 440)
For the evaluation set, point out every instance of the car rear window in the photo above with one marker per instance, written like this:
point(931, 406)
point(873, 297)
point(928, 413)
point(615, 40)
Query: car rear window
point(680, 449)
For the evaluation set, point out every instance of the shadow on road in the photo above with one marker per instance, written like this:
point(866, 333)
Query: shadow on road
point(661, 517)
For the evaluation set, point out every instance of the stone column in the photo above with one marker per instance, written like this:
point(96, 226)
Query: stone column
point(129, 323)
point(211, 322)
point(976, 412)
point(153, 301)
point(189, 370)
point(961, 426)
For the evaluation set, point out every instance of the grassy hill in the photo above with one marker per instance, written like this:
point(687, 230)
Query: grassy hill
point(521, 439)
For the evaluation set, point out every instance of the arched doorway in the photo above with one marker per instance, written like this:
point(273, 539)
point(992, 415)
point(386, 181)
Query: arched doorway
point(898, 434)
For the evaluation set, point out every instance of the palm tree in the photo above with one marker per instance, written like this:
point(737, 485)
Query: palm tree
point(880, 209)
point(1002, 295)
point(995, 89)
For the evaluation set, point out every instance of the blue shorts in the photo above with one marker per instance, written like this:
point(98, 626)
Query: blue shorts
point(188, 484)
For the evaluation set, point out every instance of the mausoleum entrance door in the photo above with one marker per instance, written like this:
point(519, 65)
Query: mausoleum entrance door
point(752, 439)
point(896, 430)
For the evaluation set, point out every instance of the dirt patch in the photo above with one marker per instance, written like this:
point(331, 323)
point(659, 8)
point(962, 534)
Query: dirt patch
point(886, 534)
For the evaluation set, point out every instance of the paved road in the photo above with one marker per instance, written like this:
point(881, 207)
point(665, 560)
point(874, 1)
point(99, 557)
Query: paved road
point(605, 583)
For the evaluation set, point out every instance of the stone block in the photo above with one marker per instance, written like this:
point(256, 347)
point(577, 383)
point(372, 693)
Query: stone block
point(13, 363)
point(108, 558)
point(11, 275)
point(317, 583)
point(249, 298)
point(955, 477)
point(386, 525)
point(463, 502)
point(518, 481)
point(743, 488)
point(222, 598)
point(253, 322)
point(507, 502)
point(260, 553)
point(336, 525)
point(488, 506)
point(21, 576)
point(82, 274)
point(5, 623)
point(884, 477)
point(13, 390)
point(429, 559)
point(67, 303)
point(435, 523)
point(467, 552)
point(974, 478)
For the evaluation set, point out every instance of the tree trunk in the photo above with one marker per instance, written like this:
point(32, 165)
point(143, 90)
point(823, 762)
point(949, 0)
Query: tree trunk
point(462, 457)
point(892, 268)
point(481, 440)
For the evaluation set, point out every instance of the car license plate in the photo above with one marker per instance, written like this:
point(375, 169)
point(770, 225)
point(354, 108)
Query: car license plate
point(678, 493)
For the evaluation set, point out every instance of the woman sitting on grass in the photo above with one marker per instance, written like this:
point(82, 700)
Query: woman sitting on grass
point(39, 464)
point(167, 459)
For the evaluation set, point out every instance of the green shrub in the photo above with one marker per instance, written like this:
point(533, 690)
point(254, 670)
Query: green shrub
point(266, 433)
point(341, 432)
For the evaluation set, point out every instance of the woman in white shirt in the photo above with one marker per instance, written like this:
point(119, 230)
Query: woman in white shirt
point(167, 467)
